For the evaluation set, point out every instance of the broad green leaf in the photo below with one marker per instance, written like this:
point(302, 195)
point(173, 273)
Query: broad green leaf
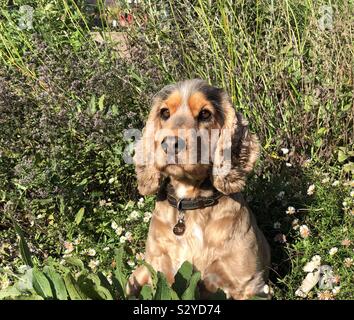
point(183, 277)
point(41, 284)
point(91, 286)
point(57, 283)
point(119, 278)
point(9, 292)
point(24, 250)
point(218, 295)
point(74, 261)
point(72, 287)
point(25, 282)
point(190, 293)
point(105, 283)
point(79, 216)
point(163, 290)
point(146, 293)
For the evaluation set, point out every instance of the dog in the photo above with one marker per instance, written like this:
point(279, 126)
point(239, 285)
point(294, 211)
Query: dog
point(195, 154)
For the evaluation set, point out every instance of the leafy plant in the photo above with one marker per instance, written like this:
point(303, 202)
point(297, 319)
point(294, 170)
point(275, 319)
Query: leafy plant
point(55, 281)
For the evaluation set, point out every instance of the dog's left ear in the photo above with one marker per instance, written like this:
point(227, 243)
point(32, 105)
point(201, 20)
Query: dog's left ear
point(236, 152)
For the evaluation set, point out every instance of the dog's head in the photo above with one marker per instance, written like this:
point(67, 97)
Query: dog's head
point(193, 132)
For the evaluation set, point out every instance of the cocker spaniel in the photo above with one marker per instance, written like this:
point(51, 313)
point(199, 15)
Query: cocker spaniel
point(194, 154)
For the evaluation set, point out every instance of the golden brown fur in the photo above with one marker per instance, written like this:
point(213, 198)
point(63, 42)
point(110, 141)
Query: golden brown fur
point(223, 241)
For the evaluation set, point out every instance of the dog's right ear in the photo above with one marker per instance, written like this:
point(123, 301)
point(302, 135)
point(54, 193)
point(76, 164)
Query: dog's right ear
point(148, 176)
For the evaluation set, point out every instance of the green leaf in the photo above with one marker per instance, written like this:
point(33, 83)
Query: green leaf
point(119, 279)
point(41, 284)
point(163, 291)
point(24, 250)
point(342, 154)
point(183, 277)
point(25, 282)
point(146, 292)
point(105, 283)
point(74, 261)
point(57, 283)
point(9, 293)
point(73, 289)
point(190, 293)
point(79, 216)
point(91, 286)
point(100, 102)
point(218, 295)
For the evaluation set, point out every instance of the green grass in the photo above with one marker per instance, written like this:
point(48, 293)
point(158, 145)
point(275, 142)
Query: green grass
point(66, 99)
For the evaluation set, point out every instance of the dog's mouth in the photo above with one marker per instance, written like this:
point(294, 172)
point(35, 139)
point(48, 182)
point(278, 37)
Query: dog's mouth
point(190, 171)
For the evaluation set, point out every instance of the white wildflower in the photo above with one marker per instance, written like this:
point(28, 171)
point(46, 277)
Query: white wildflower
point(105, 249)
point(284, 150)
point(69, 247)
point(266, 289)
point(346, 242)
point(131, 263)
point(336, 290)
point(141, 203)
point(325, 180)
point(119, 231)
point(295, 224)
point(352, 193)
point(304, 231)
point(122, 239)
point(311, 189)
point(147, 216)
point(333, 251)
point(290, 210)
point(134, 215)
point(325, 295)
point(91, 252)
point(93, 264)
point(114, 225)
point(128, 235)
point(288, 164)
point(335, 183)
point(348, 262)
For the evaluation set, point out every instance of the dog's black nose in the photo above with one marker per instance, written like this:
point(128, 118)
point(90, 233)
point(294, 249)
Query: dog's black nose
point(172, 145)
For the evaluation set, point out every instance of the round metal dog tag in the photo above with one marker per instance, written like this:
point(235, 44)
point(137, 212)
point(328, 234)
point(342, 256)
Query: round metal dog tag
point(179, 228)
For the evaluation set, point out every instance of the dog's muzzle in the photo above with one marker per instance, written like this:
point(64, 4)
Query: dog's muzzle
point(172, 145)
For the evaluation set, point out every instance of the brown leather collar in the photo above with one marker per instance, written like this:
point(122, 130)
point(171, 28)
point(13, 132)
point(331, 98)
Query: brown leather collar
point(195, 203)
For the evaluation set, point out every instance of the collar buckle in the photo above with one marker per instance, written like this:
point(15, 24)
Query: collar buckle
point(179, 205)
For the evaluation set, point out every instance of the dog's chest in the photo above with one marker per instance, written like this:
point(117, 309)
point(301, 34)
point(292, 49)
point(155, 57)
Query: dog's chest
point(190, 246)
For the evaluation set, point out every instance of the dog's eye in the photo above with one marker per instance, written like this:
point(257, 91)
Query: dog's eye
point(164, 114)
point(204, 115)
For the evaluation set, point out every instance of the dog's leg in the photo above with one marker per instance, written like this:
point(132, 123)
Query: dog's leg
point(137, 280)
point(142, 276)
